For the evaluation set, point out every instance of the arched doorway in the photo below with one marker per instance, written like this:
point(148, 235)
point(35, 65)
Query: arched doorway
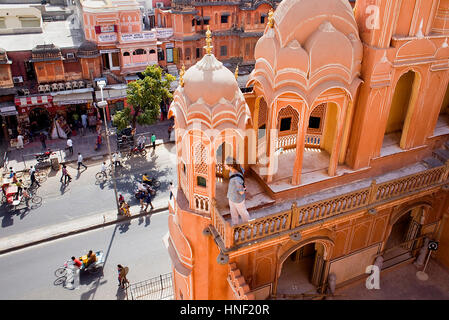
point(320, 138)
point(301, 272)
point(401, 240)
point(39, 119)
point(223, 151)
point(401, 109)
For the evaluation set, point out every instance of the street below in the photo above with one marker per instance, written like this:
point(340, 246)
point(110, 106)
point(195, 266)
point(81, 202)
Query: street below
point(85, 196)
point(138, 244)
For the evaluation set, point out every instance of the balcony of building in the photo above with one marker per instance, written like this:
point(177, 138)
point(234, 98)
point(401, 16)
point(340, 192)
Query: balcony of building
point(272, 218)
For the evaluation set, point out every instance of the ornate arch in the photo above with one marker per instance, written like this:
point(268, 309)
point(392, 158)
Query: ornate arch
point(325, 241)
point(396, 216)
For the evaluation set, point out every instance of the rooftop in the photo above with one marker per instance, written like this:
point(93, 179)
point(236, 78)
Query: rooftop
point(59, 33)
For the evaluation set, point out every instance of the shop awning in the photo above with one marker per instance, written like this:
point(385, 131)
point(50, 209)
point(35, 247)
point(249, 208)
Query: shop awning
point(8, 111)
point(111, 94)
point(32, 100)
point(73, 98)
point(225, 14)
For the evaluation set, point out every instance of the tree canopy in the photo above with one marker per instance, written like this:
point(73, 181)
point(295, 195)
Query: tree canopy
point(145, 96)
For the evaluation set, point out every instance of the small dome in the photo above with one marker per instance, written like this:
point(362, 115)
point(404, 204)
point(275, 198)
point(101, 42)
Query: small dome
point(88, 49)
point(211, 81)
point(293, 56)
point(328, 45)
point(266, 47)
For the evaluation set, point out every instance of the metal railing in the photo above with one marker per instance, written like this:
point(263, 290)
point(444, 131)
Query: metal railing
point(157, 288)
point(298, 216)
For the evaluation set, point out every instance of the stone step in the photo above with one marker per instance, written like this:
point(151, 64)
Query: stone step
point(432, 162)
point(441, 154)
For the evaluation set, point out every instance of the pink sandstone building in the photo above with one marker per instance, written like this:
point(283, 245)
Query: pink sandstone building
point(344, 144)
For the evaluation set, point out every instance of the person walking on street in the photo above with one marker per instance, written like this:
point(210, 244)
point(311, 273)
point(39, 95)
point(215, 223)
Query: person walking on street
point(43, 137)
point(33, 177)
point(153, 141)
point(116, 159)
point(20, 141)
point(65, 174)
point(148, 202)
point(70, 145)
point(169, 132)
point(122, 272)
point(80, 161)
point(84, 123)
point(172, 190)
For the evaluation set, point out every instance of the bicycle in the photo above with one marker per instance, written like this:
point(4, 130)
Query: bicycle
point(35, 199)
point(41, 176)
point(102, 175)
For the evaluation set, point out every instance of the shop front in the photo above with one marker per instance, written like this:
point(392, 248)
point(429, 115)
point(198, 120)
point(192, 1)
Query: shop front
point(116, 98)
point(70, 107)
point(8, 120)
point(34, 115)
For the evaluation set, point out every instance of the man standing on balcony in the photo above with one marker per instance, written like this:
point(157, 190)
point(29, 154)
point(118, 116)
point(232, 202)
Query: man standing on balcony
point(236, 192)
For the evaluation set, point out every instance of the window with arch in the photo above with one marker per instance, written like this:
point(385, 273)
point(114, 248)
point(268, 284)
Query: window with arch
point(126, 54)
point(139, 52)
point(152, 51)
point(287, 120)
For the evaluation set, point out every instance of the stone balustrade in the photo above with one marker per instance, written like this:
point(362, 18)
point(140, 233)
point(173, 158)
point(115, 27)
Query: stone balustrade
point(299, 216)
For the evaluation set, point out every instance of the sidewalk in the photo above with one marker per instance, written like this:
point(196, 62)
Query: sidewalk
point(24, 158)
point(48, 233)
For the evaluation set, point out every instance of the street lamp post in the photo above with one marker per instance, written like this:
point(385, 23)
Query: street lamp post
point(102, 104)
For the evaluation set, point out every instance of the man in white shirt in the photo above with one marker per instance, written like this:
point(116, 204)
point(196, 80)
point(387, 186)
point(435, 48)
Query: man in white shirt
point(20, 141)
point(80, 161)
point(84, 122)
point(70, 145)
point(103, 169)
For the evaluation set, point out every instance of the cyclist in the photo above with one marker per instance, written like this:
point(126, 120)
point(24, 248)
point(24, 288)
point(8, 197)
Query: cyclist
point(103, 169)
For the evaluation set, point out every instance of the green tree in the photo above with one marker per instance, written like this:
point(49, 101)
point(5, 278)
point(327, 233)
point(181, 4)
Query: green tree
point(145, 96)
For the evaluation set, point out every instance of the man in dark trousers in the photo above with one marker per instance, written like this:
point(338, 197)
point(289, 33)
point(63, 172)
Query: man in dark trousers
point(153, 140)
point(80, 161)
point(33, 177)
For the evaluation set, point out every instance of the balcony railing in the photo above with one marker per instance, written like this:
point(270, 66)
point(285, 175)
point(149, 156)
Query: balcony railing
point(299, 216)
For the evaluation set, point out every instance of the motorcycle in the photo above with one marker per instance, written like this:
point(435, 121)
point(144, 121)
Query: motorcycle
point(137, 150)
point(44, 156)
point(152, 183)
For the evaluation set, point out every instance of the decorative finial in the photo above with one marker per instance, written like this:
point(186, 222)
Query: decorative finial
point(208, 46)
point(236, 73)
point(181, 75)
point(270, 18)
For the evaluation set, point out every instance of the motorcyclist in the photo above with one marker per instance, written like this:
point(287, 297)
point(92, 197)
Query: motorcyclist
point(146, 179)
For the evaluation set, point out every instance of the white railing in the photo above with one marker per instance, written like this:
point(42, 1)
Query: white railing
point(312, 140)
point(286, 141)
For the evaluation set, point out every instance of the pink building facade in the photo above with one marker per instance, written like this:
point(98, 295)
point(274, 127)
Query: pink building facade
point(116, 27)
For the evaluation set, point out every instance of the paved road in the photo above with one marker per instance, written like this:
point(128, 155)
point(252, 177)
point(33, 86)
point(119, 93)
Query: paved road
point(29, 273)
point(85, 197)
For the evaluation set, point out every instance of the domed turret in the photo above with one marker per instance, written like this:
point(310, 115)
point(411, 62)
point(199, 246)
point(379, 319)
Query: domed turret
point(209, 111)
point(308, 44)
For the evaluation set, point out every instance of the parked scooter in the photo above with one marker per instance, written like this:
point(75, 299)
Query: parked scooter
point(44, 156)
point(137, 150)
